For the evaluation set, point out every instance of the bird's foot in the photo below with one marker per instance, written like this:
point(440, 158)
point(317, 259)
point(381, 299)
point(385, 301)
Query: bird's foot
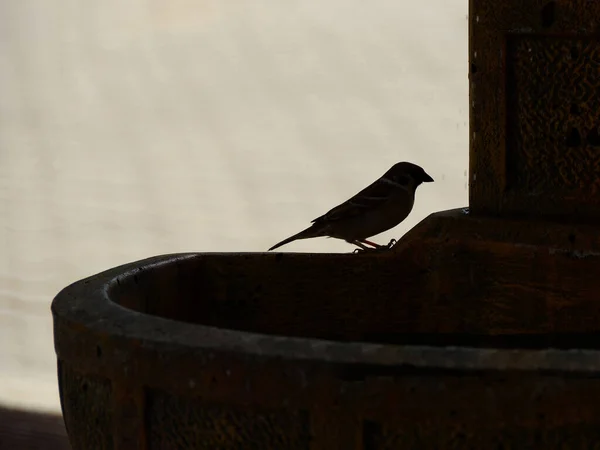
point(366, 250)
point(379, 248)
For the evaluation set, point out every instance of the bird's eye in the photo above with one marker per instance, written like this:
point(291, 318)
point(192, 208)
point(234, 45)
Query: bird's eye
point(403, 180)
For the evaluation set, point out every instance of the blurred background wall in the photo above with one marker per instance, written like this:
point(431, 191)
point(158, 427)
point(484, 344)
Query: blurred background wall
point(131, 129)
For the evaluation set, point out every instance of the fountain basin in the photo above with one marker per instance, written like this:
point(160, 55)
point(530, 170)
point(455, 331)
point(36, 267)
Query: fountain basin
point(306, 351)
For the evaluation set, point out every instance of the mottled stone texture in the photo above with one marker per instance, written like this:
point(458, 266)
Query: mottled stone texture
point(177, 422)
point(553, 145)
point(535, 141)
point(87, 408)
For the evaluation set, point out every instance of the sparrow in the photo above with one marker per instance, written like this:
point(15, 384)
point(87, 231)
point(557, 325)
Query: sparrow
point(377, 208)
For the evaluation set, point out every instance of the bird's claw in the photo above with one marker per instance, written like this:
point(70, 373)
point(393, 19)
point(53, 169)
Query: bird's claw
point(376, 249)
point(363, 250)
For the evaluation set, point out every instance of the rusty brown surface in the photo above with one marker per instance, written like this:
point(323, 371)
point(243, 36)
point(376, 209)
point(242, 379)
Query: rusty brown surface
point(535, 112)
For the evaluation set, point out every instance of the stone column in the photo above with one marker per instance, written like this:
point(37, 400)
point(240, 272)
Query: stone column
point(535, 109)
point(524, 259)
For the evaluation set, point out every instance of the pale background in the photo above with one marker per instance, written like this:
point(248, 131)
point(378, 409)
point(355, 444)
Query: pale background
point(131, 129)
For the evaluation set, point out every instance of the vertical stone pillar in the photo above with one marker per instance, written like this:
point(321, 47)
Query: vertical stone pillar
point(524, 259)
point(535, 109)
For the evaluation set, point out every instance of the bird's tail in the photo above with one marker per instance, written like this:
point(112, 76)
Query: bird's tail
point(310, 232)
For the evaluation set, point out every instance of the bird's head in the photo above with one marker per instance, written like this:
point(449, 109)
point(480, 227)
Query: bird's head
point(408, 174)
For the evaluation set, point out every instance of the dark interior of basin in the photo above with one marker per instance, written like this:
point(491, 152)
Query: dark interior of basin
point(349, 299)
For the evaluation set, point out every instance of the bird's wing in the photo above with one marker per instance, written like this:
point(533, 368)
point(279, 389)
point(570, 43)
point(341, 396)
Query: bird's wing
point(369, 198)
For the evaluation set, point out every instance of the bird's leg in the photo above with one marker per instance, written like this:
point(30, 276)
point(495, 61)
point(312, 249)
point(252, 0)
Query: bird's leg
point(372, 244)
point(361, 246)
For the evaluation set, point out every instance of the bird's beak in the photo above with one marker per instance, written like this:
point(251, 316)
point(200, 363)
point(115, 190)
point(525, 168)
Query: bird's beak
point(427, 178)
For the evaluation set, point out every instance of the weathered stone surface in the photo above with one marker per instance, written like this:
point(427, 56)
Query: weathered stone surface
point(534, 110)
point(252, 355)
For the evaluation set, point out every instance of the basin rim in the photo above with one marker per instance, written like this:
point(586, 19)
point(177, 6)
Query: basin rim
point(86, 305)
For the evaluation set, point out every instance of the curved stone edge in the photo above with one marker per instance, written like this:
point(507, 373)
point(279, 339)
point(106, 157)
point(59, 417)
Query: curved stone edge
point(86, 305)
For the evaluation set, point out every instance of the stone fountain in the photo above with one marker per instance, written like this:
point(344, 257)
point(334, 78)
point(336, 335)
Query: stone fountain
point(479, 329)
